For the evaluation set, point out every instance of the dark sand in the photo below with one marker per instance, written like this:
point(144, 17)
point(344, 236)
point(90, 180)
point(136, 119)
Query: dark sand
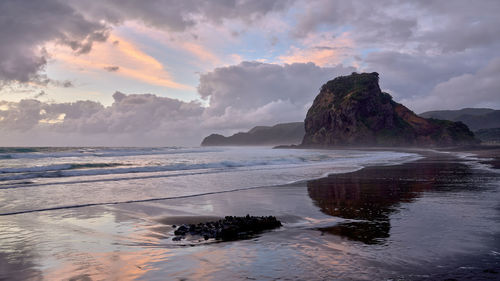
point(437, 218)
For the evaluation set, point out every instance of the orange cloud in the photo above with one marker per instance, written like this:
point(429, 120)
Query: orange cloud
point(321, 49)
point(200, 52)
point(197, 48)
point(132, 62)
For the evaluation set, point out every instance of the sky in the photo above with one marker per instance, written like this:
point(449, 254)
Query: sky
point(168, 73)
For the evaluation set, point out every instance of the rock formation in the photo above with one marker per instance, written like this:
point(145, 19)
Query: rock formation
point(353, 111)
point(229, 228)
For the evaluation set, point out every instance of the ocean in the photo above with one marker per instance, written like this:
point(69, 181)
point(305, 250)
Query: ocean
point(34, 179)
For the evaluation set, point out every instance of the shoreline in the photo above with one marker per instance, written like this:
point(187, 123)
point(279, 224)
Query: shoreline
point(435, 217)
point(490, 156)
point(489, 153)
point(359, 208)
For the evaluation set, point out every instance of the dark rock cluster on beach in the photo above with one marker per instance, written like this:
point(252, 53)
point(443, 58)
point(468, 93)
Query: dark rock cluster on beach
point(229, 228)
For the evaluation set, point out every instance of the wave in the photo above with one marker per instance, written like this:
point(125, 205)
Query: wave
point(85, 169)
point(402, 159)
point(63, 152)
point(100, 169)
point(248, 169)
point(58, 167)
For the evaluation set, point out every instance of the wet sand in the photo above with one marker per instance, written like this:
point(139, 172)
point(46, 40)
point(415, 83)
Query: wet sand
point(433, 219)
point(489, 154)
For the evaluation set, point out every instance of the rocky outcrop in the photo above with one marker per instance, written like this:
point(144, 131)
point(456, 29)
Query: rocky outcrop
point(286, 133)
point(352, 110)
point(229, 228)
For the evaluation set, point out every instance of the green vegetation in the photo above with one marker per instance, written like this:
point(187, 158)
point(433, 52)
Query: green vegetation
point(350, 86)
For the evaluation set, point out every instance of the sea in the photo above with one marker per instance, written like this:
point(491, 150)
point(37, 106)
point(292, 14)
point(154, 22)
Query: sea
point(37, 179)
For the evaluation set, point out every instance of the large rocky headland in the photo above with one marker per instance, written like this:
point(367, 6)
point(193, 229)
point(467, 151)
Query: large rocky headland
point(353, 111)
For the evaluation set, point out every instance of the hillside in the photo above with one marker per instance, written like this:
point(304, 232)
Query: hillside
point(286, 133)
point(474, 118)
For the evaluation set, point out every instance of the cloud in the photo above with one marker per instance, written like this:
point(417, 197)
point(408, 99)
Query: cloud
point(461, 25)
point(180, 15)
point(480, 89)
point(410, 78)
point(40, 94)
point(112, 68)
point(421, 25)
point(25, 27)
point(249, 87)
point(415, 46)
point(135, 119)
point(323, 49)
point(134, 63)
point(240, 97)
point(407, 75)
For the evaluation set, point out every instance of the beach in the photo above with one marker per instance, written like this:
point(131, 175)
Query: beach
point(420, 215)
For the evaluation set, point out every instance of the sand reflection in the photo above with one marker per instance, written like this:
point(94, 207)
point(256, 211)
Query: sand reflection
point(372, 194)
point(124, 265)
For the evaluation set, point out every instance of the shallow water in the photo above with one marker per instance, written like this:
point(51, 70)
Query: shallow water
point(33, 180)
point(435, 218)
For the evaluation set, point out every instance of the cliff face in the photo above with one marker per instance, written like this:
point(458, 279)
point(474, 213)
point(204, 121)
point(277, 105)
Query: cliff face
point(286, 133)
point(352, 110)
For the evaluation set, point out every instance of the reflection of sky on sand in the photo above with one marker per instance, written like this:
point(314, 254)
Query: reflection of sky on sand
point(118, 265)
point(65, 246)
point(129, 241)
